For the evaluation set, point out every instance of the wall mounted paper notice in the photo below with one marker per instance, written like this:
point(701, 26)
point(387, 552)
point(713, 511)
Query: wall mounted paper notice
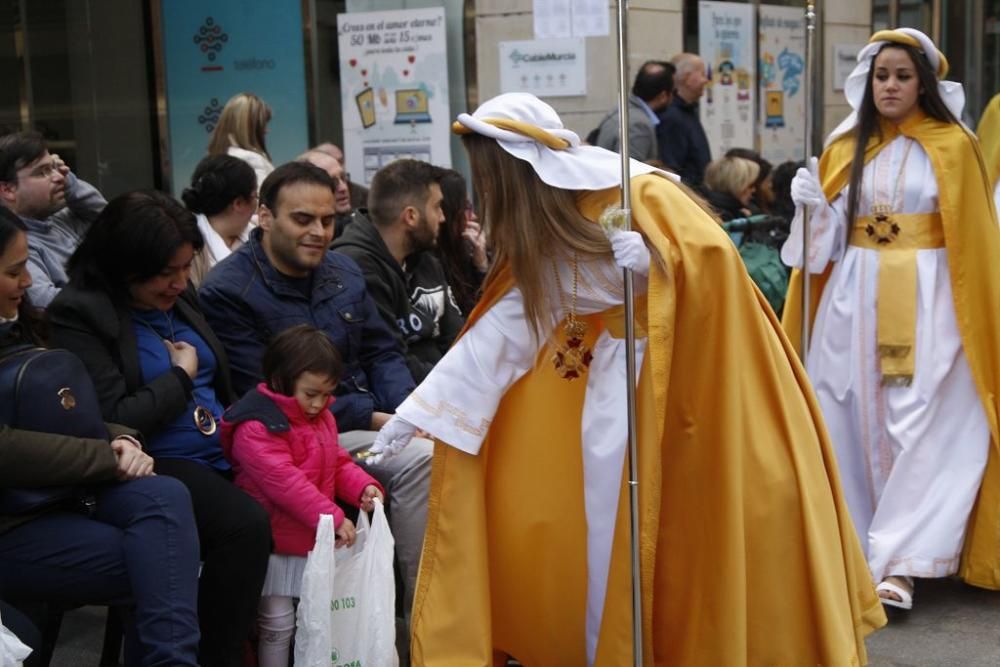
point(590, 18)
point(552, 19)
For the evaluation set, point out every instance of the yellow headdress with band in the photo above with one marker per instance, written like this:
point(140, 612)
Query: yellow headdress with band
point(900, 37)
point(951, 92)
point(531, 130)
point(543, 137)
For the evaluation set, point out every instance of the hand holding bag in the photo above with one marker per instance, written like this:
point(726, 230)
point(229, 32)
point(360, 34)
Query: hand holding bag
point(346, 615)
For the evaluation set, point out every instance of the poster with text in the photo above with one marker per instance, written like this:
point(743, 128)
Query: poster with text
point(213, 52)
point(394, 83)
point(726, 35)
point(781, 41)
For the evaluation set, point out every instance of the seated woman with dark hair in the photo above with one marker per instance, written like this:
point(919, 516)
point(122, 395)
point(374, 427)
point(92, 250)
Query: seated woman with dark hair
point(130, 315)
point(223, 194)
point(461, 242)
point(136, 544)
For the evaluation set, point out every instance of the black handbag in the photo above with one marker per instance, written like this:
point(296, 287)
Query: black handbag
point(48, 391)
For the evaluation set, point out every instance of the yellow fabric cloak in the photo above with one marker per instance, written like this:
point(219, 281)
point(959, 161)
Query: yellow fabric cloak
point(989, 139)
point(973, 243)
point(748, 554)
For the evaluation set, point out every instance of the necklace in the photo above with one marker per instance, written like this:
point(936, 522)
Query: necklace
point(571, 358)
point(203, 418)
point(884, 228)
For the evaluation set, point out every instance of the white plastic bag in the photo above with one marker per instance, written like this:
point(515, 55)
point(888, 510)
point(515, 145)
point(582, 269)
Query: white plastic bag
point(12, 650)
point(347, 612)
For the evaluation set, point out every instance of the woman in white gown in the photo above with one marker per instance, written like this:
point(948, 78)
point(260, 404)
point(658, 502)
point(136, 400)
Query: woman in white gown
point(743, 532)
point(888, 356)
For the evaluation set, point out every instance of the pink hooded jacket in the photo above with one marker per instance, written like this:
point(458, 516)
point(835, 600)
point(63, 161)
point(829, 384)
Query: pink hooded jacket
point(290, 464)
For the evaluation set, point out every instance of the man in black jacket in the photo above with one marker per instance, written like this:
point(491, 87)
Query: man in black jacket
point(405, 279)
point(683, 144)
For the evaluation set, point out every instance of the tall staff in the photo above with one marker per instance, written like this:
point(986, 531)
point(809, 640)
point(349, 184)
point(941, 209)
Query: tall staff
point(808, 92)
point(630, 372)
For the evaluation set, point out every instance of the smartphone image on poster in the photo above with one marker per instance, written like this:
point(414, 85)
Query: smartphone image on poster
point(366, 107)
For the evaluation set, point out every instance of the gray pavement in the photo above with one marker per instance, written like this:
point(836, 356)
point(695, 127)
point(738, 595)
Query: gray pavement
point(951, 625)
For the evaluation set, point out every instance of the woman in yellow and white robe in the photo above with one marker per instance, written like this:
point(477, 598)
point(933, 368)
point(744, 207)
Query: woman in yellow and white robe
point(904, 344)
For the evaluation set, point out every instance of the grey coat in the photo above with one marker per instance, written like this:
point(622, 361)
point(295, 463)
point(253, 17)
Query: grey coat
point(642, 144)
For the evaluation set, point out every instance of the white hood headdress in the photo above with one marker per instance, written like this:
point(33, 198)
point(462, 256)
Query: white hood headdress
point(854, 89)
point(530, 130)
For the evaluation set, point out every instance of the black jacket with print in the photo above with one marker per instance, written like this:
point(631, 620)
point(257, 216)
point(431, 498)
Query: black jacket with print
point(415, 301)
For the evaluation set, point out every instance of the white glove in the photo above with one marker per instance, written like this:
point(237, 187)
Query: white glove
point(806, 188)
point(391, 439)
point(630, 251)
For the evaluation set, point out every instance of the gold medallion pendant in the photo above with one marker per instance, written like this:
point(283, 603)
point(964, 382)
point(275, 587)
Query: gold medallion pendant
point(204, 420)
point(572, 357)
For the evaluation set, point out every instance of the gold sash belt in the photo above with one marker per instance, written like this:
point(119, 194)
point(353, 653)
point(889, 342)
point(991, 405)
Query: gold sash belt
point(614, 319)
point(897, 237)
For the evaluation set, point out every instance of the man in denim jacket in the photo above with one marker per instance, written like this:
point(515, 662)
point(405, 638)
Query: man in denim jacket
point(285, 276)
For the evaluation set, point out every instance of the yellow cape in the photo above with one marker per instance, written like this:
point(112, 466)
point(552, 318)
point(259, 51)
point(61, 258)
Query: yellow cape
point(748, 554)
point(973, 242)
point(989, 138)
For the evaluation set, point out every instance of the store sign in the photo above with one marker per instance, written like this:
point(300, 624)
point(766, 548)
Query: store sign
point(845, 59)
point(781, 43)
point(212, 51)
point(394, 88)
point(726, 37)
point(546, 68)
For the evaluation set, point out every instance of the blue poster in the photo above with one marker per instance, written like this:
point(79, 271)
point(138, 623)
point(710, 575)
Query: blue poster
point(212, 51)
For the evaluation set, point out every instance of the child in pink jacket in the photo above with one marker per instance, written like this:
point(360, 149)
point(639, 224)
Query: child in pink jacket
point(282, 440)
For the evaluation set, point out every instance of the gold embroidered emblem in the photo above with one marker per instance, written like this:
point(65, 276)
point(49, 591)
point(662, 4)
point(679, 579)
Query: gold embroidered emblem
point(883, 229)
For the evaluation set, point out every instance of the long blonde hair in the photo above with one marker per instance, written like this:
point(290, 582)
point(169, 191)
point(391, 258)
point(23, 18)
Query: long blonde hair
point(243, 123)
point(529, 223)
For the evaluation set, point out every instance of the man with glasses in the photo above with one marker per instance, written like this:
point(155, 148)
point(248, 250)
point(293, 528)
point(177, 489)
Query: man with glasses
point(359, 193)
point(344, 210)
point(55, 206)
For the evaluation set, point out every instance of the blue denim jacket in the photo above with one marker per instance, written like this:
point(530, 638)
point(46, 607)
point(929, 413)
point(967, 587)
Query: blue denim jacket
point(247, 301)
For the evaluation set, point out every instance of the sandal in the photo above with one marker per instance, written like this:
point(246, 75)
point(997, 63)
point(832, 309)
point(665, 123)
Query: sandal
point(905, 600)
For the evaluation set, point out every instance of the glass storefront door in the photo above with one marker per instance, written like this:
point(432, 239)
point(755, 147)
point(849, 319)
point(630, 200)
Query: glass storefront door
point(78, 71)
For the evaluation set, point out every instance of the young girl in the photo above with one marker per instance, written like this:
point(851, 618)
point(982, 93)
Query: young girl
point(282, 440)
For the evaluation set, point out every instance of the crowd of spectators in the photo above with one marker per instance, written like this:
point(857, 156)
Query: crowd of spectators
point(168, 308)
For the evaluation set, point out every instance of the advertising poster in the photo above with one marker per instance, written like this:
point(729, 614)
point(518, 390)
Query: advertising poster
point(782, 44)
point(394, 83)
point(726, 37)
point(212, 51)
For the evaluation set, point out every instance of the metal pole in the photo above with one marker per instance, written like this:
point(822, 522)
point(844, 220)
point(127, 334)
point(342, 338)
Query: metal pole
point(630, 371)
point(808, 92)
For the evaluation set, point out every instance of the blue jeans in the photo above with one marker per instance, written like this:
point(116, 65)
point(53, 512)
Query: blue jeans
point(140, 547)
